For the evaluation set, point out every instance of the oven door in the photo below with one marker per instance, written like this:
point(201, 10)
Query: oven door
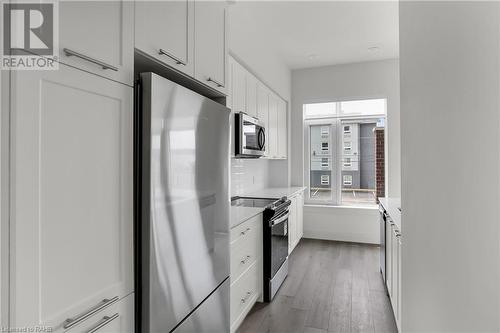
point(251, 136)
point(279, 242)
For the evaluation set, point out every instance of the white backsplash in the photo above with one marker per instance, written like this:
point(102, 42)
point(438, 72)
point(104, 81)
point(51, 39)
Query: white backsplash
point(248, 175)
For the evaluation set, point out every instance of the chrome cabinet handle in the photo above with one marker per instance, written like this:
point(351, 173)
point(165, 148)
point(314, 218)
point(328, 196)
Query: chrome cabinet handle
point(104, 321)
point(171, 56)
point(104, 65)
point(216, 82)
point(244, 299)
point(244, 232)
point(70, 322)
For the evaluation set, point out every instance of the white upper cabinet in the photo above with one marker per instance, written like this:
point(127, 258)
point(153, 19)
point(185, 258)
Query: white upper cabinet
point(165, 31)
point(251, 95)
point(272, 129)
point(238, 87)
point(263, 110)
point(210, 43)
point(71, 226)
point(98, 36)
point(282, 129)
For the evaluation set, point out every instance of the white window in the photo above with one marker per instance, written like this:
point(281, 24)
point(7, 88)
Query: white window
point(340, 151)
point(347, 180)
point(325, 132)
point(318, 110)
point(365, 107)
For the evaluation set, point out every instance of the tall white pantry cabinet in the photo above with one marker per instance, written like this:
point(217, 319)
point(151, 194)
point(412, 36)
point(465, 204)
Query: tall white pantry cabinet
point(70, 195)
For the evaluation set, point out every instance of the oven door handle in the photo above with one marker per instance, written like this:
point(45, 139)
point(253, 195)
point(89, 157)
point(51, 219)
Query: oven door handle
point(282, 219)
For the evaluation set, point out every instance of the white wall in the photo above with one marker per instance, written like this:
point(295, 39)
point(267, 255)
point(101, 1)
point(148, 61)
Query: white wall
point(342, 223)
point(378, 79)
point(250, 46)
point(450, 125)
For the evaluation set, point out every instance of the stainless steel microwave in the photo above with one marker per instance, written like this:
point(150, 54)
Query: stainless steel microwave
point(250, 136)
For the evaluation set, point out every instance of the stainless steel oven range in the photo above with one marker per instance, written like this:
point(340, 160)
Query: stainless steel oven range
point(275, 246)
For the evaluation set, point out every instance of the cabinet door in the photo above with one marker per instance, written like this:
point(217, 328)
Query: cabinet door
point(388, 255)
point(282, 129)
point(210, 43)
point(71, 146)
point(395, 271)
point(300, 215)
point(398, 316)
point(292, 225)
point(251, 95)
point(238, 87)
point(103, 31)
point(263, 111)
point(273, 126)
point(165, 31)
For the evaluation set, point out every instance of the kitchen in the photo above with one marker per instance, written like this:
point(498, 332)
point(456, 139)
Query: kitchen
point(240, 166)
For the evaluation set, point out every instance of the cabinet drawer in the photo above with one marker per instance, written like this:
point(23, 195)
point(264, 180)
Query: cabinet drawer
point(116, 318)
point(245, 291)
point(246, 229)
point(245, 251)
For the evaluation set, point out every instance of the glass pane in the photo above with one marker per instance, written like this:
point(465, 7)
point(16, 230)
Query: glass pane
point(363, 107)
point(359, 163)
point(321, 158)
point(316, 110)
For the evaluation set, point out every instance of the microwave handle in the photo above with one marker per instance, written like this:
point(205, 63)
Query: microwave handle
point(261, 139)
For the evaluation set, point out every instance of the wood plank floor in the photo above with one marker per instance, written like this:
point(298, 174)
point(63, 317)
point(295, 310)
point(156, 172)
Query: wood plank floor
point(331, 287)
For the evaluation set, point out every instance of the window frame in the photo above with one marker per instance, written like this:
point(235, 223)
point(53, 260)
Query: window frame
point(335, 122)
point(307, 161)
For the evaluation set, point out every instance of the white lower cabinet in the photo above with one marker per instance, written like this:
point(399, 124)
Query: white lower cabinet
point(116, 318)
point(388, 255)
point(71, 222)
point(398, 308)
point(246, 268)
point(295, 221)
point(393, 268)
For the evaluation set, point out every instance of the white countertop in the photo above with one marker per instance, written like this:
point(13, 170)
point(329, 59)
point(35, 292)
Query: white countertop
point(275, 192)
point(392, 206)
point(240, 214)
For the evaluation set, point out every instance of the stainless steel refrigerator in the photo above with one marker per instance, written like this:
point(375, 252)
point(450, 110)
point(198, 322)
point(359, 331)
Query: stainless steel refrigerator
point(182, 258)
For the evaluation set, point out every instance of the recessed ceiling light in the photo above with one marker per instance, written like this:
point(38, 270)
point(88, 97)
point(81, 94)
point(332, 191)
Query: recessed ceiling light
point(312, 56)
point(374, 48)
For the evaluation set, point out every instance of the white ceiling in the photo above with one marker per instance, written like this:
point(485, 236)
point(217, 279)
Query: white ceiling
point(336, 32)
